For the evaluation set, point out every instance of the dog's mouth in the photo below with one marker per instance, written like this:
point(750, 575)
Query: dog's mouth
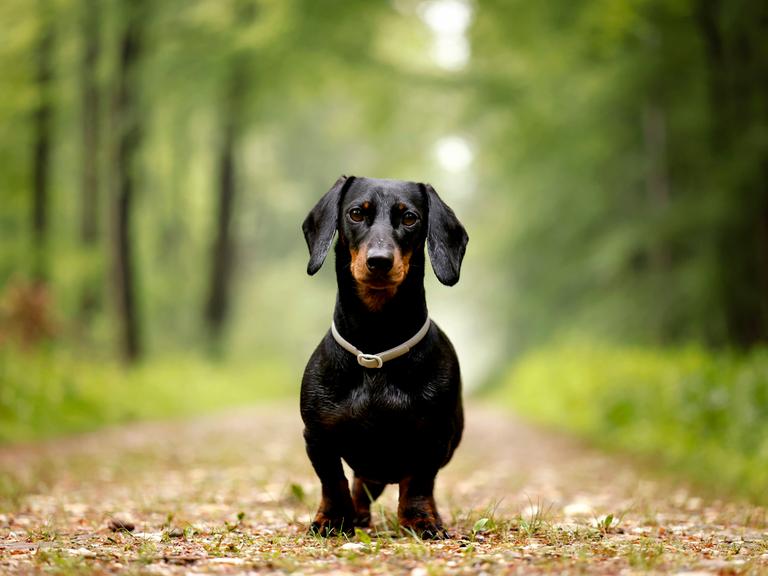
point(375, 294)
point(376, 287)
point(379, 282)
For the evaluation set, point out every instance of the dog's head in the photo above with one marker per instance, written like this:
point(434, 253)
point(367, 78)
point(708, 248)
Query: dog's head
point(382, 223)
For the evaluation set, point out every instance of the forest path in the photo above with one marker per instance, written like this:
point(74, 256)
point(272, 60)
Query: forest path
point(233, 493)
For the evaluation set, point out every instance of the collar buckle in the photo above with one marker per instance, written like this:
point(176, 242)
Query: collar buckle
point(377, 360)
point(369, 360)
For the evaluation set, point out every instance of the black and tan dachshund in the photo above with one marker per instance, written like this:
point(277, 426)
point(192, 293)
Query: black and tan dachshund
point(395, 416)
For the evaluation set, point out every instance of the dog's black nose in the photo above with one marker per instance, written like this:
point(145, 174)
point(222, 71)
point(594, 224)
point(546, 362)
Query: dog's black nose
point(379, 260)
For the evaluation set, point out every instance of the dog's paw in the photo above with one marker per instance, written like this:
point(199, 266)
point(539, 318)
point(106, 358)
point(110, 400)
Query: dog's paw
point(328, 526)
point(425, 528)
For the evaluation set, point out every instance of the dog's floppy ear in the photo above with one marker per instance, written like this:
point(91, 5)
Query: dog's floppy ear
point(446, 239)
point(320, 225)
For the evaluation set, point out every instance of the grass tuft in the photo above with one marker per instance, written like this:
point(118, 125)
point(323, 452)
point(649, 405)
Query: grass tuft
point(48, 393)
point(702, 413)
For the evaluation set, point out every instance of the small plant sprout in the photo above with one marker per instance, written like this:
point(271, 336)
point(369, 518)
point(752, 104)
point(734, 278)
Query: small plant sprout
point(608, 523)
point(480, 526)
point(605, 523)
point(168, 521)
point(232, 526)
point(533, 522)
point(363, 536)
point(297, 493)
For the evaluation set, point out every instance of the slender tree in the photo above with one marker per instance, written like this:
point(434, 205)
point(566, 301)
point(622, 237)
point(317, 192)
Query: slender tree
point(222, 254)
point(90, 129)
point(41, 158)
point(223, 245)
point(733, 35)
point(656, 177)
point(128, 124)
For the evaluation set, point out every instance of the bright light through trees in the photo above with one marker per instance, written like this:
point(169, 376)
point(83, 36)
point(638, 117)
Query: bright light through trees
point(448, 20)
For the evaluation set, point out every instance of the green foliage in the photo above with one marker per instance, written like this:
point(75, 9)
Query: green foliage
point(320, 95)
point(617, 187)
point(632, 203)
point(704, 413)
point(46, 393)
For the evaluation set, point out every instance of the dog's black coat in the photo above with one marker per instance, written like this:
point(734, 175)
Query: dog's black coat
point(400, 423)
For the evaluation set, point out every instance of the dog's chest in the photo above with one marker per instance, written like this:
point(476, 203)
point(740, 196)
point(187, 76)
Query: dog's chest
point(376, 398)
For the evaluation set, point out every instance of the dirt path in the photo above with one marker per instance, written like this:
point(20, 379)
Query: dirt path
point(234, 493)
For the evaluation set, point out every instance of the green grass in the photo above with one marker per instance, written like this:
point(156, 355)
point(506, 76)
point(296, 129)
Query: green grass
point(50, 393)
point(704, 413)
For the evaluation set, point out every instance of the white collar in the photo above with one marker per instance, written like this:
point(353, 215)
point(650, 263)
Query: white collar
point(377, 360)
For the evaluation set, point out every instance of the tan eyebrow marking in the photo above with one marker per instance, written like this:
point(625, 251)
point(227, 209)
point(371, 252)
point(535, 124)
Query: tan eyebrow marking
point(366, 205)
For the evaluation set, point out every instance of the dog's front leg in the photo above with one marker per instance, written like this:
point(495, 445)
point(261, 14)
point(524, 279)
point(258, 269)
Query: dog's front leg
point(416, 510)
point(336, 513)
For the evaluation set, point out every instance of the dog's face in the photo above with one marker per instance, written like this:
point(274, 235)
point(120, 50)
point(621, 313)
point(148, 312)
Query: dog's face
point(382, 223)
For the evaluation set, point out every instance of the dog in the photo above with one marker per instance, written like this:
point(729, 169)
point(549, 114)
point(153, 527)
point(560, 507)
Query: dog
point(395, 417)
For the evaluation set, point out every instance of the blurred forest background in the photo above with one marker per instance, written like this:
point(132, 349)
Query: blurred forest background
point(608, 157)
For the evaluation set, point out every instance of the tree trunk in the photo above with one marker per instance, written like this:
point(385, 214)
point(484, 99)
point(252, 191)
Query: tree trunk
point(217, 303)
point(90, 125)
point(738, 68)
point(41, 157)
point(657, 177)
point(127, 120)
point(222, 254)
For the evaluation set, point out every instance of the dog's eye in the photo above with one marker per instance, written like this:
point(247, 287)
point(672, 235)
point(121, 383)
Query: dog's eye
point(409, 219)
point(356, 215)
